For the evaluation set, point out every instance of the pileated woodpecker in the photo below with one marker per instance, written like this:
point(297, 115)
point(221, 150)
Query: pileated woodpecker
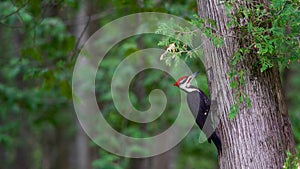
point(199, 106)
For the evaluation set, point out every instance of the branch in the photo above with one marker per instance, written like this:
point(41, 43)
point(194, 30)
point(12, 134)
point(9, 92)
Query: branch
point(75, 50)
point(17, 11)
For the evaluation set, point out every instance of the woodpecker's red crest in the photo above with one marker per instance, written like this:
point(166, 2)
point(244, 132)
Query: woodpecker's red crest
point(181, 80)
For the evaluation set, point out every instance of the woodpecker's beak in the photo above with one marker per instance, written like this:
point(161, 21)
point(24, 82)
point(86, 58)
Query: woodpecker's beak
point(191, 78)
point(194, 75)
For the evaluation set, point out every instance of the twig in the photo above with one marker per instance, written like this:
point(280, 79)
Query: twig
point(75, 50)
point(186, 32)
point(16, 11)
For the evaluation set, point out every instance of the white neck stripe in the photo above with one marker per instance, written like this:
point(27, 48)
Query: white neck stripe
point(188, 89)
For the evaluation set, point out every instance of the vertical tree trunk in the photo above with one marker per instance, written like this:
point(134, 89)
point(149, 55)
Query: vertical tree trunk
point(82, 148)
point(166, 160)
point(260, 136)
point(139, 91)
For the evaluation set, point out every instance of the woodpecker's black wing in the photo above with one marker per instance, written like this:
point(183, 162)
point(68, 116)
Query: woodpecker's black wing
point(199, 105)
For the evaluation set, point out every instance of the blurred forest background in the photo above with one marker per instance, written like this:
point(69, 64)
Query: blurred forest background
point(40, 41)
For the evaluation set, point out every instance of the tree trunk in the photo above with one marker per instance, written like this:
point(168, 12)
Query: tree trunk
point(260, 136)
point(166, 160)
point(140, 92)
point(82, 148)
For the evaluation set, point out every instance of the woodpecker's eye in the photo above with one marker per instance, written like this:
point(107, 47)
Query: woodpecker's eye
point(181, 80)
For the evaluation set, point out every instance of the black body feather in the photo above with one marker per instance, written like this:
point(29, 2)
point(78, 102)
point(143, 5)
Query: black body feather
point(199, 105)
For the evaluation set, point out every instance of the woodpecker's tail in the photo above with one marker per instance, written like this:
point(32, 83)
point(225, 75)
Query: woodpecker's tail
point(214, 137)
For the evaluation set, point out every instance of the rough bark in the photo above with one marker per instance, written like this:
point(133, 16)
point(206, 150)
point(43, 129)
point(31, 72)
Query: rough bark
point(260, 136)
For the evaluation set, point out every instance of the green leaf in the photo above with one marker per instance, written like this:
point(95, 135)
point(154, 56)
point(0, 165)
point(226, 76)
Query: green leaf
point(65, 89)
point(32, 52)
point(233, 111)
point(248, 102)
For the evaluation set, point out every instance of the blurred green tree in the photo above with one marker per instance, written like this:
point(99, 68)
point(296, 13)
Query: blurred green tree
point(40, 41)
